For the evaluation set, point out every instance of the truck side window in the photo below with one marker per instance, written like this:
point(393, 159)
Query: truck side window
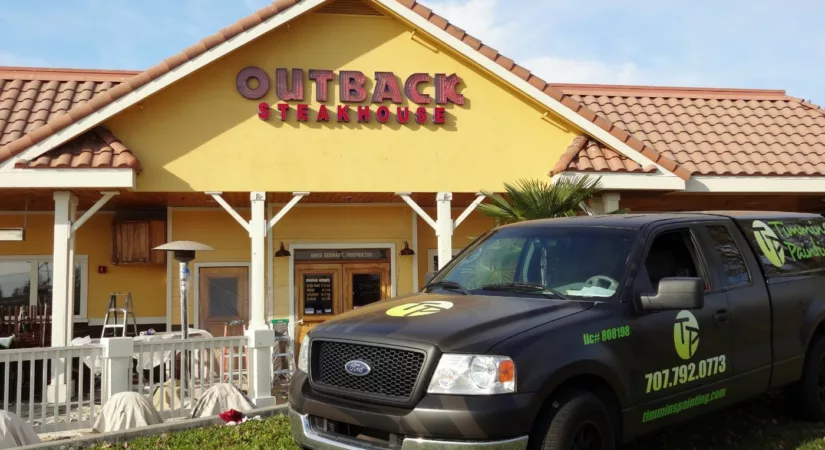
point(736, 271)
point(673, 254)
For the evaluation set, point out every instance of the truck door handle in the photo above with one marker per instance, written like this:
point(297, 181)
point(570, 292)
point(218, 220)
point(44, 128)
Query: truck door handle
point(721, 315)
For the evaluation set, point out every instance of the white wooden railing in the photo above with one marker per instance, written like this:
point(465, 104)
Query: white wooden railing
point(174, 391)
point(63, 388)
point(29, 392)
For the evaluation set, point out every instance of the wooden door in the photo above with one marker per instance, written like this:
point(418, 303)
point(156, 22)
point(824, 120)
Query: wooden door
point(365, 284)
point(223, 297)
point(319, 296)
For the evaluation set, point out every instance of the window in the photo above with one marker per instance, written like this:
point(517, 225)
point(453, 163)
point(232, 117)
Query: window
point(736, 271)
point(585, 262)
point(787, 246)
point(672, 254)
point(19, 274)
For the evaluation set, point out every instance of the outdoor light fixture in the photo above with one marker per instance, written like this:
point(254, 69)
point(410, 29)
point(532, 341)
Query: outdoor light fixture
point(12, 234)
point(282, 252)
point(407, 251)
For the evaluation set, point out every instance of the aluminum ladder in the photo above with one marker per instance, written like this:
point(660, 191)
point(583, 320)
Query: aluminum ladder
point(111, 314)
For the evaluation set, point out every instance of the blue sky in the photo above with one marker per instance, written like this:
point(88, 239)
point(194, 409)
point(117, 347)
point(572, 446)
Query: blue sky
point(731, 43)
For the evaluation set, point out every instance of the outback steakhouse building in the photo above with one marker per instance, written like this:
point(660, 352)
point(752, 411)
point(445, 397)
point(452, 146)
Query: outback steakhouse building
point(331, 173)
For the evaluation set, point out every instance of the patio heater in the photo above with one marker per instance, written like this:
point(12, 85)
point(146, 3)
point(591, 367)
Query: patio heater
point(184, 252)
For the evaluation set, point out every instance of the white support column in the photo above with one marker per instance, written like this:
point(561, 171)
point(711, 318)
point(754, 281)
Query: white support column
point(257, 234)
point(64, 210)
point(444, 227)
point(258, 229)
point(611, 201)
point(117, 361)
point(259, 348)
point(63, 274)
point(69, 324)
point(444, 224)
point(605, 203)
point(61, 315)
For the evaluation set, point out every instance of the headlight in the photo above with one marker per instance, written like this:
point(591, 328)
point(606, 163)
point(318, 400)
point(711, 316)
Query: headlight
point(303, 355)
point(473, 375)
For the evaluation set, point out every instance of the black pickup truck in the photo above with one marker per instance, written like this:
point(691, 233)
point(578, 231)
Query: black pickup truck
point(576, 333)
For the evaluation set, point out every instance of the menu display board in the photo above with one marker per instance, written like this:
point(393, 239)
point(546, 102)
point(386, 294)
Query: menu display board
point(317, 294)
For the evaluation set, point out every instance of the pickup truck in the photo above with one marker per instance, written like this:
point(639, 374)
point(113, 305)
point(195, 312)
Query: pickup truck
point(576, 333)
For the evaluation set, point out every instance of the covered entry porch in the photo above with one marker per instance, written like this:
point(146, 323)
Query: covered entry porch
point(264, 243)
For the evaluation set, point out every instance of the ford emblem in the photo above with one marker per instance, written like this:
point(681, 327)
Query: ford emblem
point(357, 368)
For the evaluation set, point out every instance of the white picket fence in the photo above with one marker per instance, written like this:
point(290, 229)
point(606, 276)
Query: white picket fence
point(95, 372)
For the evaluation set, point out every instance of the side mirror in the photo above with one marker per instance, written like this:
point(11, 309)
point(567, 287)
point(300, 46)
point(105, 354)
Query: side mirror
point(676, 293)
point(428, 277)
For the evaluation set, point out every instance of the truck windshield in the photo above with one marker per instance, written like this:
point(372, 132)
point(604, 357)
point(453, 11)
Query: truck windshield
point(580, 262)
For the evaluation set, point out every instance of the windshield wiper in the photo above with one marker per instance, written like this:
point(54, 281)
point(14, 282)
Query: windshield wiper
point(522, 287)
point(448, 285)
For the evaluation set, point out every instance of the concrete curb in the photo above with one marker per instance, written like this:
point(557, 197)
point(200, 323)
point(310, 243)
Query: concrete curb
point(152, 430)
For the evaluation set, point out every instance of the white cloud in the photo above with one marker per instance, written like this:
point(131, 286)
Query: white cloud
point(559, 70)
point(478, 18)
point(483, 19)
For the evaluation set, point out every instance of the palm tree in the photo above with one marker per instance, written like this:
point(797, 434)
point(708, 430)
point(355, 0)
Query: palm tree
point(531, 199)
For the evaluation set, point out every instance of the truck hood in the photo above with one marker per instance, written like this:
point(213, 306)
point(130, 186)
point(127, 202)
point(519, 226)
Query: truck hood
point(454, 323)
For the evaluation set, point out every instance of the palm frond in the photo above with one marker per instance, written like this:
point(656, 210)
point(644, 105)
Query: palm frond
point(531, 199)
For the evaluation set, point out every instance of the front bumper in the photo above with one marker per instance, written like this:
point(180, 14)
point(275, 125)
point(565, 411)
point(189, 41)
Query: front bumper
point(306, 437)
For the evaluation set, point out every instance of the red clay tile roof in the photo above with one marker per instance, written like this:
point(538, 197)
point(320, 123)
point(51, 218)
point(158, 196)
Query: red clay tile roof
point(588, 155)
point(30, 97)
point(95, 149)
point(717, 131)
point(54, 124)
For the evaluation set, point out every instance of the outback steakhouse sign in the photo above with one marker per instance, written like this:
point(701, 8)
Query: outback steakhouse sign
point(351, 89)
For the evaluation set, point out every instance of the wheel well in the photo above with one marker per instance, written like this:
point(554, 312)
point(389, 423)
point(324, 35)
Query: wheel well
point(819, 331)
point(599, 387)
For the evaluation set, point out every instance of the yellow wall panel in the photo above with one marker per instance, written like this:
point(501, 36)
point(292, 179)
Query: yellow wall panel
point(147, 283)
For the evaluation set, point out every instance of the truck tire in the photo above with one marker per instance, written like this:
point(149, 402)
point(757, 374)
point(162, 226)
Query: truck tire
point(807, 396)
point(575, 420)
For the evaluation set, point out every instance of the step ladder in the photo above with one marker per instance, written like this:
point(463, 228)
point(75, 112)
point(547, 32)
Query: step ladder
point(111, 314)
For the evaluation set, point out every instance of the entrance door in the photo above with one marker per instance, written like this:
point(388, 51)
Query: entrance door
point(319, 295)
point(223, 296)
point(324, 290)
point(365, 284)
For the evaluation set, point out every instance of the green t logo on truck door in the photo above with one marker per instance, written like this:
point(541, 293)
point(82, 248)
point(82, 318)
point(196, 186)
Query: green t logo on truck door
point(686, 334)
point(769, 243)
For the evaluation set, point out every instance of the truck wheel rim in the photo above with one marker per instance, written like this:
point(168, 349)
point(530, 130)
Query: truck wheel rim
point(587, 438)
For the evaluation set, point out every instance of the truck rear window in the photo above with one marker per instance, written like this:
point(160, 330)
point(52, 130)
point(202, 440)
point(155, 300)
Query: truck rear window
point(787, 246)
point(578, 262)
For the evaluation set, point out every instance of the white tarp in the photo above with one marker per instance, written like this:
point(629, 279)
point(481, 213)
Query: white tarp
point(126, 410)
point(219, 398)
point(15, 432)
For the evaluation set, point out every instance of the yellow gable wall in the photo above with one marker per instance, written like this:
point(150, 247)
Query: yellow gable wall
point(200, 134)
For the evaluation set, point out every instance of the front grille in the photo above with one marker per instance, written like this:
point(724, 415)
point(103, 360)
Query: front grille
point(393, 373)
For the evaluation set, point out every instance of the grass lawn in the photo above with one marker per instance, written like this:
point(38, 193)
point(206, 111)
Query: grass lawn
point(760, 424)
